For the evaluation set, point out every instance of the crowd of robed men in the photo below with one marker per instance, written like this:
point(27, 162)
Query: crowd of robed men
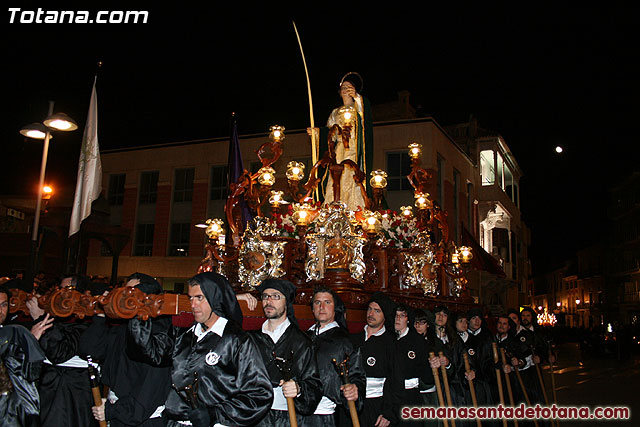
point(216, 374)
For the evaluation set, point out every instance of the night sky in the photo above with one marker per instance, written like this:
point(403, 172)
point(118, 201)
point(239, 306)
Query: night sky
point(539, 74)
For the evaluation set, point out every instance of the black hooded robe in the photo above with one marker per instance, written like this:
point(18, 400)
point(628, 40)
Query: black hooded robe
point(335, 343)
point(22, 358)
point(65, 391)
point(295, 345)
point(233, 386)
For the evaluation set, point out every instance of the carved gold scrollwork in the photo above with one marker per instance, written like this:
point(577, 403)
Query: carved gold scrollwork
point(335, 244)
point(421, 267)
point(260, 259)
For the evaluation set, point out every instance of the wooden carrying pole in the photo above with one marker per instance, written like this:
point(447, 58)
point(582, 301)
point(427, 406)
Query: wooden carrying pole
point(553, 388)
point(494, 348)
point(446, 388)
point(524, 392)
point(544, 391)
point(291, 408)
point(508, 382)
point(472, 388)
point(436, 378)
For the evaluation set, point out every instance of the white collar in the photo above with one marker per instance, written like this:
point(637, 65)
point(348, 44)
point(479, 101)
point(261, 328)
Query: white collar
point(278, 331)
point(325, 328)
point(476, 332)
point(464, 335)
point(403, 333)
point(500, 339)
point(530, 328)
point(217, 328)
point(377, 334)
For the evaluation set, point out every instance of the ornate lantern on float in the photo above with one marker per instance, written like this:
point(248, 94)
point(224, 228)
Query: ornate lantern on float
point(372, 222)
point(406, 211)
point(295, 171)
point(276, 133)
point(465, 254)
point(378, 179)
point(267, 176)
point(301, 214)
point(275, 199)
point(346, 115)
point(415, 150)
point(422, 201)
point(215, 227)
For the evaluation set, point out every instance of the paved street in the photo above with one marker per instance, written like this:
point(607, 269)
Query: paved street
point(596, 382)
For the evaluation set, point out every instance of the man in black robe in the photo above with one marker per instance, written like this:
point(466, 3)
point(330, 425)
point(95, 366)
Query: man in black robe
point(137, 389)
point(20, 362)
point(64, 386)
point(521, 353)
point(218, 376)
point(287, 352)
point(331, 341)
point(377, 348)
point(412, 357)
point(481, 341)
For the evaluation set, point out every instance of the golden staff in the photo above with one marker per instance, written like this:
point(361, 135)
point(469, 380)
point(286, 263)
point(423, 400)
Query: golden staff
point(494, 347)
point(342, 368)
point(553, 387)
point(95, 389)
point(524, 391)
point(472, 389)
point(436, 378)
point(314, 143)
point(508, 382)
point(446, 387)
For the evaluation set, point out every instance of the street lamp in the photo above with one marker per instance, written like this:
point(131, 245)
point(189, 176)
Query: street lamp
point(58, 121)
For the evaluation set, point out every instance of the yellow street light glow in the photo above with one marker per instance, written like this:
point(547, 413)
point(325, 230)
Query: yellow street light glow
point(61, 121)
point(36, 134)
point(35, 131)
point(46, 189)
point(60, 124)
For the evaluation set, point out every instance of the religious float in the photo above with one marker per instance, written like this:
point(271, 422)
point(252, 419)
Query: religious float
point(355, 250)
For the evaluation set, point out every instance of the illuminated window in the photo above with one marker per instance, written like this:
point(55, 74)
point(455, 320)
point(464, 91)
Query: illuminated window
point(487, 170)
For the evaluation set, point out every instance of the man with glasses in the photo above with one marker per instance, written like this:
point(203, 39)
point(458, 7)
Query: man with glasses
point(287, 353)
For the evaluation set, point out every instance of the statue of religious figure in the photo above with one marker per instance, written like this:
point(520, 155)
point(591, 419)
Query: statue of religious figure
point(338, 251)
point(359, 147)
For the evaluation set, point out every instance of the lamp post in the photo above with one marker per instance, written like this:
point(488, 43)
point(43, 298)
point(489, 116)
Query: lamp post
point(58, 121)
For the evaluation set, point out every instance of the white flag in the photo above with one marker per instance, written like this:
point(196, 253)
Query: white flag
point(89, 183)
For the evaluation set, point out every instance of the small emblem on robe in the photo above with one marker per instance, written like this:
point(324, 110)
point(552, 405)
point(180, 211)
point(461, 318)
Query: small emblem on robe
point(411, 354)
point(212, 358)
point(371, 361)
point(471, 352)
point(523, 339)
